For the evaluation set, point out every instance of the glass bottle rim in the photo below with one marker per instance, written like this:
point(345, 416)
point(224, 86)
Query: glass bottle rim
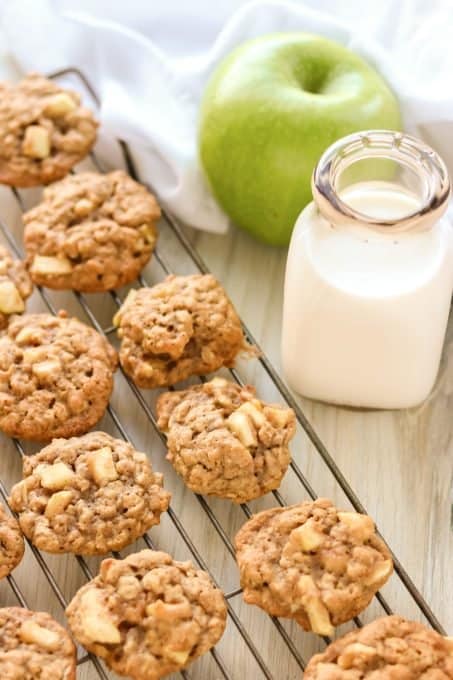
point(385, 144)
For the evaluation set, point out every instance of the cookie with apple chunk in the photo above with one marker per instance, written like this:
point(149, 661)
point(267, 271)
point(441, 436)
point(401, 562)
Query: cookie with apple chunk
point(225, 442)
point(184, 326)
point(15, 286)
point(148, 615)
point(56, 376)
point(44, 131)
point(12, 545)
point(34, 647)
point(390, 648)
point(312, 562)
point(88, 495)
point(91, 232)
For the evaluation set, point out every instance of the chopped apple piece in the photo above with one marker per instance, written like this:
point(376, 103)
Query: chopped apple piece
point(308, 536)
point(59, 105)
point(178, 657)
point(35, 355)
point(58, 503)
point(96, 621)
point(317, 612)
point(356, 651)
point(46, 369)
point(36, 142)
point(27, 335)
point(10, 299)
point(255, 413)
point(279, 417)
point(239, 424)
point(218, 381)
point(167, 611)
point(148, 234)
point(360, 526)
point(146, 370)
point(50, 264)
point(381, 572)
point(83, 206)
point(34, 634)
point(56, 476)
point(101, 466)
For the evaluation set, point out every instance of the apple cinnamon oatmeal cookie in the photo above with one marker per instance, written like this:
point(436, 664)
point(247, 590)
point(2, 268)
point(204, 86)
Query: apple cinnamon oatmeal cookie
point(34, 647)
point(15, 286)
point(88, 495)
point(11, 544)
point(44, 131)
point(184, 326)
point(91, 232)
point(56, 376)
point(390, 648)
point(225, 442)
point(148, 615)
point(312, 563)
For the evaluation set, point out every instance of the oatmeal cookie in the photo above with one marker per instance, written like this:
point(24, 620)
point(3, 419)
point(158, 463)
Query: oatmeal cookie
point(184, 326)
point(34, 647)
point(148, 615)
point(225, 442)
point(44, 131)
point(11, 544)
point(88, 495)
point(15, 286)
point(56, 376)
point(91, 232)
point(312, 563)
point(390, 648)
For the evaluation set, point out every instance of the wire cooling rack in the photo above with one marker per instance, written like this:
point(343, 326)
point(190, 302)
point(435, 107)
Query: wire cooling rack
point(254, 646)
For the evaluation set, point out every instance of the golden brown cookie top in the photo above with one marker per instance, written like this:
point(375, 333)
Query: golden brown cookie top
point(184, 326)
point(148, 615)
point(224, 441)
point(312, 562)
point(33, 645)
point(56, 376)
point(91, 232)
point(11, 543)
point(88, 495)
point(44, 131)
point(390, 648)
point(15, 286)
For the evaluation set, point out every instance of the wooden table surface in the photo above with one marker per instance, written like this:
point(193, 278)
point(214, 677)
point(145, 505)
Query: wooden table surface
point(399, 464)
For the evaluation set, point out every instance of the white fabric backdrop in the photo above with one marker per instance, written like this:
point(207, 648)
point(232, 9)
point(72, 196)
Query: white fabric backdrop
point(150, 61)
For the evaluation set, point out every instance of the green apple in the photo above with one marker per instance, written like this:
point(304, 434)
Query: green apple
point(270, 110)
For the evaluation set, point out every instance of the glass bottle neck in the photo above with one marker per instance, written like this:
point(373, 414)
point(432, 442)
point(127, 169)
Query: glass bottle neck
point(385, 180)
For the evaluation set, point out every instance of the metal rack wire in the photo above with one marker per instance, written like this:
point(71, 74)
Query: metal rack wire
point(223, 668)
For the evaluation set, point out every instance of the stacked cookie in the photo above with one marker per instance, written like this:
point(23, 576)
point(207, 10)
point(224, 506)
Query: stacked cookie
point(88, 493)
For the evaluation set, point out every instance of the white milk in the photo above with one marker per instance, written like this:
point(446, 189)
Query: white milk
point(365, 312)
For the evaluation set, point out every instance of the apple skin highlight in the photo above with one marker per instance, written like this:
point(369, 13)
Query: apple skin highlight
point(269, 111)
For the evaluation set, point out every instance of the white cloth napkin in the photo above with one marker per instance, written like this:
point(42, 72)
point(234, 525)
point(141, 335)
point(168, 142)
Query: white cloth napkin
point(151, 99)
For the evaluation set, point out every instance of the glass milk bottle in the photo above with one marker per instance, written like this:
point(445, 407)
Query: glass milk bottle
point(369, 275)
